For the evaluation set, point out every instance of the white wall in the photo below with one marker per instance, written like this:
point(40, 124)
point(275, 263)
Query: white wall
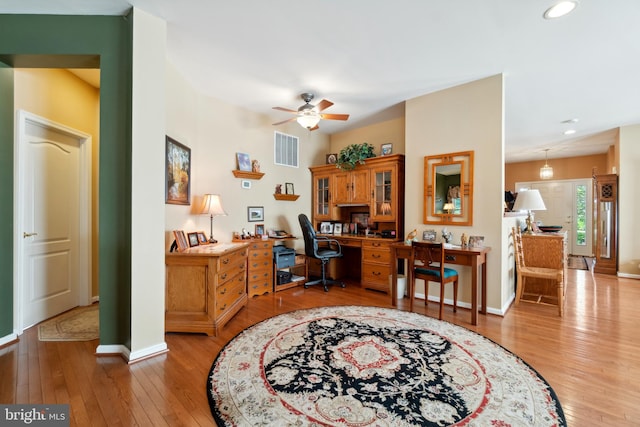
point(215, 131)
point(147, 213)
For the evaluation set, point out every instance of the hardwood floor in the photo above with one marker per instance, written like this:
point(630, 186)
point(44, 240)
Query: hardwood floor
point(590, 358)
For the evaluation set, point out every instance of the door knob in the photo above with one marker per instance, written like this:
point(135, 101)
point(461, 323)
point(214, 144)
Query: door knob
point(25, 235)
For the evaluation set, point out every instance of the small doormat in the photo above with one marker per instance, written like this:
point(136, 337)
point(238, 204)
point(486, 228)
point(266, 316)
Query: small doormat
point(79, 324)
point(577, 262)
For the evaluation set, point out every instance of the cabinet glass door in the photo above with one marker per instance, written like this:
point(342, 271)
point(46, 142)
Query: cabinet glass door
point(322, 190)
point(384, 194)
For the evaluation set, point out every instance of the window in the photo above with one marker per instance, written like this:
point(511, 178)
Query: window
point(285, 150)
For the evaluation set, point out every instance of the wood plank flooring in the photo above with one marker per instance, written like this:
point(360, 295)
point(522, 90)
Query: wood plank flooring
point(590, 358)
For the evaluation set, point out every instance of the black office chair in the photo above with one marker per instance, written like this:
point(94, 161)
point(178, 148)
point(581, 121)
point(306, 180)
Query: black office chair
point(322, 248)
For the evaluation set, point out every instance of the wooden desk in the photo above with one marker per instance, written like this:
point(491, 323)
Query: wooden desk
point(473, 257)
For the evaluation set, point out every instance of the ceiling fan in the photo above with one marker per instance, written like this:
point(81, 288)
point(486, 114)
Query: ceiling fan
point(309, 115)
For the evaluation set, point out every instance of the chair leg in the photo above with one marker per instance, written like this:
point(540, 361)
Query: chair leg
point(520, 286)
point(560, 298)
point(324, 281)
point(455, 296)
point(441, 301)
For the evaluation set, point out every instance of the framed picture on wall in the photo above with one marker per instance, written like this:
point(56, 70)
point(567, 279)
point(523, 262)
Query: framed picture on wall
point(255, 213)
point(177, 173)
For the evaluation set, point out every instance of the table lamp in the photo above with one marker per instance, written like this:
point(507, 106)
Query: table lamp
point(212, 205)
point(529, 200)
point(448, 207)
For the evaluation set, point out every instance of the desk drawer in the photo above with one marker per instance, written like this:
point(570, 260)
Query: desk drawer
point(265, 245)
point(260, 263)
point(381, 255)
point(376, 274)
point(230, 261)
point(229, 293)
point(459, 259)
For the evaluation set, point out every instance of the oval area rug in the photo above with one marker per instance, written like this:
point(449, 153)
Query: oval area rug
point(372, 366)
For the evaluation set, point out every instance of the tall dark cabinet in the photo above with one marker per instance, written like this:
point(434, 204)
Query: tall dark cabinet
point(605, 216)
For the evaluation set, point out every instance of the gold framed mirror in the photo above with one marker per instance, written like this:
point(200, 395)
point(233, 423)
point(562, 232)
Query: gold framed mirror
point(448, 189)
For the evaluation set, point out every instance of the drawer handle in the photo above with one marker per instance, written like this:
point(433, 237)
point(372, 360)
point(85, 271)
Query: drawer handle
point(225, 261)
point(450, 257)
point(376, 244)
point(375, 255)
point(223, 307)
point(224, 276)
point(376, 273)
point(223, 291)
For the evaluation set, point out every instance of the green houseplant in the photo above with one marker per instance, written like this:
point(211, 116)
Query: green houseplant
point(353, 154)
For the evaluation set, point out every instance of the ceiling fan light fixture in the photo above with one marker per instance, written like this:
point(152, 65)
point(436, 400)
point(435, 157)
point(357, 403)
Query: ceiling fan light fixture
point(308, 119)
point(560, 9)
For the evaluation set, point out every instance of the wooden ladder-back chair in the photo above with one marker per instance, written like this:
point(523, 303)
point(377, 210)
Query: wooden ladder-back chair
point(523, 272)
point(431, 269)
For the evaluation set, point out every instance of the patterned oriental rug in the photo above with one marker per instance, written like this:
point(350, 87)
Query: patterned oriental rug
point(577, 262)
point(371, 366)
point(78, 324)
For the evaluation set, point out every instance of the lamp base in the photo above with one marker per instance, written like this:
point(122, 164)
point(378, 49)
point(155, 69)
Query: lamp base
point(212, 240)
point(529, 228)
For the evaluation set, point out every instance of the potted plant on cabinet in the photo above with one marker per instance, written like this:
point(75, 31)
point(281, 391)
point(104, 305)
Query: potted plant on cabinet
point(353, 154)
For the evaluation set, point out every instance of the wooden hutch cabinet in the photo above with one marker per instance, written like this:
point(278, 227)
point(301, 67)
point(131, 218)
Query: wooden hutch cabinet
point(373, 191)
point(605, 217)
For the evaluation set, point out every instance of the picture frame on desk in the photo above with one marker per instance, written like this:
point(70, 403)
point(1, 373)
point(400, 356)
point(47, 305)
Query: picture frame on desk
point(202, 238)
point(326, 228)
point(181, 240)
point(476, 241)
point(193, 239)
point(259, 230)
point(337, 228)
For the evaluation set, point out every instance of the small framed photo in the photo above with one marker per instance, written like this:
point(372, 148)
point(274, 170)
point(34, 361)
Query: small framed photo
point(337, 228)
point(476, 241)
point(386, 149)
point(332, 158)
point(326, 228)
point(202, 238)
point(181, 240)
point(288, 188)
point(244, 164)
point(246, 184)
point(255, 213)
point(259, 230)
point(193, 239)
point(429, 235)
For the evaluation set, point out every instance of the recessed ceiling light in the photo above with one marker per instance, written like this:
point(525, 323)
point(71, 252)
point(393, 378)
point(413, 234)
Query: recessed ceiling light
point(569, 132)
point(560, 9)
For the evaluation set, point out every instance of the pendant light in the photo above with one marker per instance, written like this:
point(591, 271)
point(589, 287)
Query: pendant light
point(546, 171)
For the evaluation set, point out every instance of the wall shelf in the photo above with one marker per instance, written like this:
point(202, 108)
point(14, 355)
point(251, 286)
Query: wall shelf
point(247, 175)
point(288, 197)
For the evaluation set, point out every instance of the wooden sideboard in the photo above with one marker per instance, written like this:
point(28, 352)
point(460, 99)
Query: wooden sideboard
point(205, 287)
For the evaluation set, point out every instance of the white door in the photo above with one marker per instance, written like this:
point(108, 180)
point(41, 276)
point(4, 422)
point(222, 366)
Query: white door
point(53, 231)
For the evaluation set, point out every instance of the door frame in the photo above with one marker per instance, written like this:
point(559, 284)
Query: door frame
point(85, 196)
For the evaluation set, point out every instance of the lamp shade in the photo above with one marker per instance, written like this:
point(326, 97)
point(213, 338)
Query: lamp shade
point(308, 119)
point(212, 205)
point(529, 200)
point(448, 207)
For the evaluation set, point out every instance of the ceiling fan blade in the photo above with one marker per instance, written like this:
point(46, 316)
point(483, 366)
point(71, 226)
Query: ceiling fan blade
point(334, 116)
point(315, 127)
point(323, 105)
point(285, 109)
point(285, 121)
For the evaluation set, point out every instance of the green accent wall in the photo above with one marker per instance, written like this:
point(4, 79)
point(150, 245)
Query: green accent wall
point(6, 193)
point(58, 41)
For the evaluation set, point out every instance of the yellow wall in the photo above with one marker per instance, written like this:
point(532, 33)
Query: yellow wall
point(567, 168)
point(462, 118)
point(60, 96)
point(390, 131)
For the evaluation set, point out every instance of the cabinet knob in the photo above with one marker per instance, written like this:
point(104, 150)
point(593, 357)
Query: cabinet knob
point(224, 276)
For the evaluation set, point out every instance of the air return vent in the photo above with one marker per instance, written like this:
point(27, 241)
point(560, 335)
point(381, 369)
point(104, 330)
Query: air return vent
point(285, 150)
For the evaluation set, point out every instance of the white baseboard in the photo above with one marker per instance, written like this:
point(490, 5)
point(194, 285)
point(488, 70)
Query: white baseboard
point(148, 352)
point(629, 276)
point(490, 310)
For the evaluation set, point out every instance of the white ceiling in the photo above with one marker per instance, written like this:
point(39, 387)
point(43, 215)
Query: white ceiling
point(368, 56)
